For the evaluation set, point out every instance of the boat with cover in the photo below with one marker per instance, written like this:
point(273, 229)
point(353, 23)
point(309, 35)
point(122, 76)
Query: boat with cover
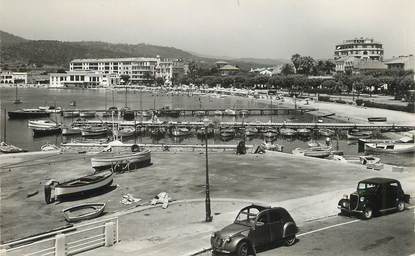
point(27, 113)
point(83, 212)
point(395, 148)
point(85, 184)
point(7, 148)
point(121, 160)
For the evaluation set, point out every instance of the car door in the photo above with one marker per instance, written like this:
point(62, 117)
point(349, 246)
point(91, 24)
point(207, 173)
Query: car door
point(392, 194)
point(275, 225)
point(261, 234)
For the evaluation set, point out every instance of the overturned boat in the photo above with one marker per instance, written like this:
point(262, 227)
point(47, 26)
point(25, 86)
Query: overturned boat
point(83, 212)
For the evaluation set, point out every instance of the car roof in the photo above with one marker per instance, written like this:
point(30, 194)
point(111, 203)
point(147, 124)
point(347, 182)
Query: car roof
point(379, 180)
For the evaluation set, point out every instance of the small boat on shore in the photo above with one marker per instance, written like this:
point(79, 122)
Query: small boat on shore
point(356, 134)
point(121, 160)
point(27, 113)
point(125, 132)
point(85, 184)
point(83, 212)
point(45, 131)
point(8, 149)
point(363, 160)
point(318, 152)
point(94, 131)
point(326, 132)
point(49, 147)
point(87, 114)
point(395, 148)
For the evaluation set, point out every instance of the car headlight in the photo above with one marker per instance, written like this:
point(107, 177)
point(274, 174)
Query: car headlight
point(345, 204)
point(227, 240)
point(362, 199)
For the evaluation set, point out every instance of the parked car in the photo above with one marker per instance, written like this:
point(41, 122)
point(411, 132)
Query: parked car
point(255, 226)
point(374, 195)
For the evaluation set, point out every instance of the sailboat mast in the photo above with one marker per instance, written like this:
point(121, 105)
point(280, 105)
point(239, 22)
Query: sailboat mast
point(5, 127)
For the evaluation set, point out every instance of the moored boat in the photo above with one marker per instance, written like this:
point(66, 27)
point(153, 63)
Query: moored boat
point(50, 109)
point(230, 112)
point(287, 132)
point(71, 130)
point(125, 132)
point(390, 147)
point(377, 119)
point(304, 132)
point(355, 134)
point(270, 133)
point(227, 133)
point(45, 131)
point(83, 212)
point(70, 113)
point(49, 147)
point(177, 132)
point(251, 131)
point(218, 113)
point(326, 132)
point(27, 113)
point(87, 114)
point(121, 160)
point(7, 148)
point(42, 124)
point(85, 184)
point(94, 131)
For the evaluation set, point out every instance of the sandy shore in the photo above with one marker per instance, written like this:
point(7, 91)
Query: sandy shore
point(270, 178)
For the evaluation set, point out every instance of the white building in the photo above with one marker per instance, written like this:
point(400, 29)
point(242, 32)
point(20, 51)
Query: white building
point(8, 77)
point(83, 79)
point(359, 48)
point(140, 69)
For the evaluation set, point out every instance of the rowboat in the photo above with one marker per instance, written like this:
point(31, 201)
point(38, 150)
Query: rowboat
point(121, 160)
point(85, 184)
point(319, 152)
point(230, 112)
point(357, 159)
point(50, 109)
point(287, 132)
point(218, 113)
point(42, 124)
point(326, 132)
point(83, 212)
point(270, 133)
point(94, 131)
point(49, 147)
point(227, 133)
point(355, 134)
point(377, 119)
point(304, 132)
point(251, 131)
point(73, 113)
point(177, 132)
point(87, 114)
point(390, 147)
point(126, 132)
point(45, 131)
point(71, 130)
point(27, 113)
point(6, 148)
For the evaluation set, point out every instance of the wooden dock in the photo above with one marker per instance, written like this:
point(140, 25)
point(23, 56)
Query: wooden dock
point(198, 124)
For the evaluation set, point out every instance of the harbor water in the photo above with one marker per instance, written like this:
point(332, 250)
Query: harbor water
point(18, 133)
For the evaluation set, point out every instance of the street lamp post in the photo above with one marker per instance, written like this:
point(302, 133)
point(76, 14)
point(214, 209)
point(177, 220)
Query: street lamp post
point(207, 200)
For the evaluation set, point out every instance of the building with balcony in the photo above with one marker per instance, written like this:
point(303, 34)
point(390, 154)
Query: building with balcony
point(82, 79)
point(359, 48)
point(140, 69)
point(9, 77)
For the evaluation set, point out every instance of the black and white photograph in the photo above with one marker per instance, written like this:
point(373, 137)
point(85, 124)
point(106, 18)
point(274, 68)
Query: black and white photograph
point(207, 127)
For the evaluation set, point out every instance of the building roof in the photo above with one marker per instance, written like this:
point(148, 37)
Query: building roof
point(229, 68)
point(395, 61)
point(116, 59)
point(221, 62)
point(378, 180)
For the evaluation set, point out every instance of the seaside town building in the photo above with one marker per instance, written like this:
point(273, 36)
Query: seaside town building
point(228, 70)
point(83, 79)
point(9, 77)
point(139, 70)
point(359, 54)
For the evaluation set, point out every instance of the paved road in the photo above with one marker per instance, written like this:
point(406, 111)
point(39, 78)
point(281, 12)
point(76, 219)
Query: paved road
point(391, 234)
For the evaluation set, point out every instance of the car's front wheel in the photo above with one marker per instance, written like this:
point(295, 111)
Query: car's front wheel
point(242, 249)
point(290, 240)
point(367, 213)
point(401, 206)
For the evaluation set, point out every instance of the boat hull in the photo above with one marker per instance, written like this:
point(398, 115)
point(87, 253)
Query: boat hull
point(39, 132)
point(96, 210)
point(27, 114)
point(121, 160)
point(397, 149)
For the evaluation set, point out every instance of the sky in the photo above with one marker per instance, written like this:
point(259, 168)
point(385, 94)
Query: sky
point(232, 28)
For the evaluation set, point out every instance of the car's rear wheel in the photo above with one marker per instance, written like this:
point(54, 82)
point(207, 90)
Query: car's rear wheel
point(367, 213)
point(242, 249)
point(401, 206)
point(290, 240)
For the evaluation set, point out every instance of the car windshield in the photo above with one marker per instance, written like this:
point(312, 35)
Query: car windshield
point(247, 216)
point(367, 187)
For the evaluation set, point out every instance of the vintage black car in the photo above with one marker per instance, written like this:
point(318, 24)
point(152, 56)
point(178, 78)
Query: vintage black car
point(374, 195)
point(255, 226)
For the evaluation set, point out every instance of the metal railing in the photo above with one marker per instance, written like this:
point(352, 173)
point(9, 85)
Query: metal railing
point(68, 241)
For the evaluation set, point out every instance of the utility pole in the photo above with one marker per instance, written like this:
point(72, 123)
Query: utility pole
point(207, 199)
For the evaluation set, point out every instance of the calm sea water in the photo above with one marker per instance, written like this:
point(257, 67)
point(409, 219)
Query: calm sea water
point(20, 135)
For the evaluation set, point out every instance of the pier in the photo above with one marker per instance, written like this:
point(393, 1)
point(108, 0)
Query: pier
point(210, 111)
point(199, 124)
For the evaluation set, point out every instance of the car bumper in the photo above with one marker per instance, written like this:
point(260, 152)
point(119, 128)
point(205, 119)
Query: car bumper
point(345, 209)
point(218, 251)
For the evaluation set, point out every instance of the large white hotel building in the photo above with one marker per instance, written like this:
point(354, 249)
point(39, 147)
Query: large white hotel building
point(108, 71)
